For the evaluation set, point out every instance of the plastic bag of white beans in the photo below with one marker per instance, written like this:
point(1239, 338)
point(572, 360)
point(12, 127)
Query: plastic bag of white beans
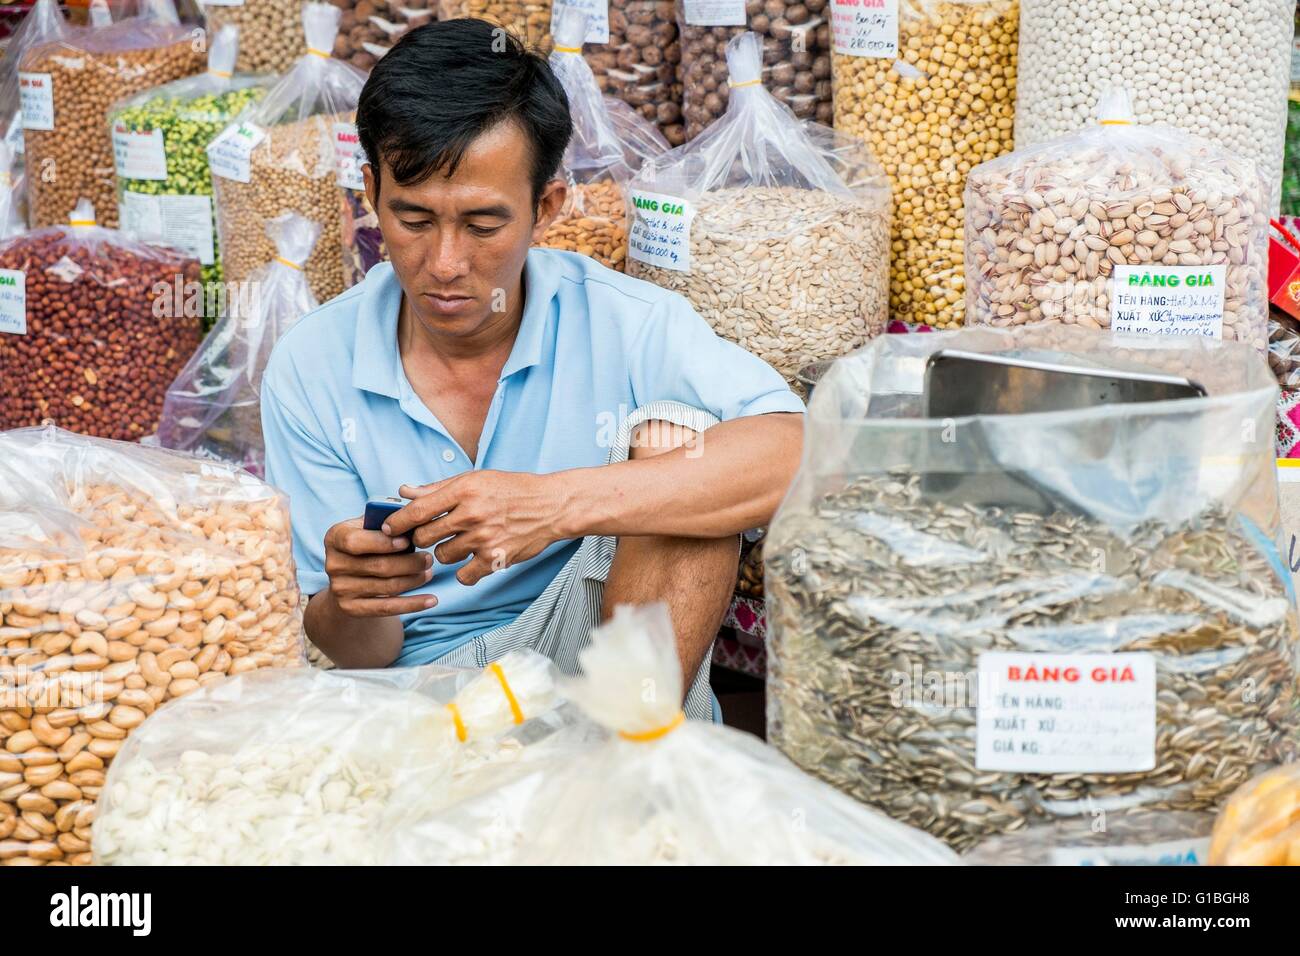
point(129, 576)
point(1121, 226)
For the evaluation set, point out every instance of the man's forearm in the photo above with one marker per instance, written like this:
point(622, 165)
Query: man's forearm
point(730, 480)
point(351, 642)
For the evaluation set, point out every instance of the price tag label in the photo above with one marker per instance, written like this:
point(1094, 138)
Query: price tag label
point(182, 222)
point(349, 157)
point(36, 100)
point(1190, 852)
point(139, 155)
point(715, 13)
point(1168, 300)
point(229, 154)
point(1066, 713)
point(13, 301)
point(865, 27)
point(661, 231)
point(597, 17)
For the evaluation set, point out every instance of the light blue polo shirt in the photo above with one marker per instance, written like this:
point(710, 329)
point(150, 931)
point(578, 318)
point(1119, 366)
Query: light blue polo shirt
point(342, 423)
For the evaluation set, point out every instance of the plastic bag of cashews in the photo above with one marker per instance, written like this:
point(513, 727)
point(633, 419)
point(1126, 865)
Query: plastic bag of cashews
point(129, 576)
point(655, 788)
point(310, 766)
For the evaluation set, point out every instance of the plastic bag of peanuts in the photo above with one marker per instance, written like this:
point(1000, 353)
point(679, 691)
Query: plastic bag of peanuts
point(609, 144)
point(214, 406)
point(70, 86)
point(129, 576)
point(1260, 824)
point(369, 28)
point(309, 767)
point(279, 156)
point(777, 231)
point(933, 91)
point(530, 20)
point(1133, 228)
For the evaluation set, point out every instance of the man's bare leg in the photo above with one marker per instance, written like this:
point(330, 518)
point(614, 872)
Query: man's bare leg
point(695, 577)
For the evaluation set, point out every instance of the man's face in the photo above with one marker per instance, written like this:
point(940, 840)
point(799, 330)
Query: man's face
point(458, 244)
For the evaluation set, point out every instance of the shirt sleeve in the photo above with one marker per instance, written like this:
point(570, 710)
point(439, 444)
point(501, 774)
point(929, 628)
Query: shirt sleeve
point(676, 356)
point(318, 482)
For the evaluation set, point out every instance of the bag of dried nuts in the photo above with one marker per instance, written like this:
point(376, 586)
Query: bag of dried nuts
point(369, 28)
point(129, 576)
point(160, 140)
point(279, 156)
point(777, 231)
point(214, 406)
point(609, 144)
point(269, 30)
point(530, 20)
point(986, 627)
point(1133, 228)
point(933, 91)
point(93, 328)
point(1260, 826)
point(796, 37)
point(69, 87)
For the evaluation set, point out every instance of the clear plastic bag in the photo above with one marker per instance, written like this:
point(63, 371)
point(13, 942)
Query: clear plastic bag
point(309, 767)
point(369, 28)
point(1284, 348)
point(656, 788)
point(1140, 228)
point(11, 193)
point(1260, 826)
point(279, 156)
point(214, 406)
point(913, 553)
point(73, 82)
point(530, 20)
point(93, 332)
point(129, 577)
point(640, 63)
point(610, 142)
point(766, 240)
point(1141, 838)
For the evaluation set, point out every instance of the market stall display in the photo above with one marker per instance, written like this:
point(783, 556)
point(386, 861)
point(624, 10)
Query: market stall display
point(278, 157)
point(796, 47)
point(369, 28)
point(1260, 826)
point(129, 576)
point(530, 20)
point(609, 144)
point(934, 97)
point(160, 140)
point(655, 788)
point(308, 767)
point(70, 86)
point(1220, 70)
point(640, 61)
point(1141, 838)
point(270, 43)
point(778, 235)
point(11, 194)
point(1284, 349)
point(90, 343)
point(928, 582)
point(1135, 228)
point(213, 408)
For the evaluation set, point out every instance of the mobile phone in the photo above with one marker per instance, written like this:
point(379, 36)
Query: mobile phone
point(377, 512)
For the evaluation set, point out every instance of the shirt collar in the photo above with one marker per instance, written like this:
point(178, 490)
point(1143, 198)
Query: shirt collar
point(376, 360)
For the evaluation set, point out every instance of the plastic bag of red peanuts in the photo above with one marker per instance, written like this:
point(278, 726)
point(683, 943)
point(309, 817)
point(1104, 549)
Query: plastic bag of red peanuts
point(213, 408)
point(129, 576)
point(93, 327)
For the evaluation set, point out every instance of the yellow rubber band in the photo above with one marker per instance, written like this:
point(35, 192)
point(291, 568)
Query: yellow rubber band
point(1116, 123)
point(315, 52)
point(285, 262)
point(648, 735)
point(81, 222)
point(221, 74)
point(568, 49)
point(736, 86)
point(461, 733)
point(495, 668)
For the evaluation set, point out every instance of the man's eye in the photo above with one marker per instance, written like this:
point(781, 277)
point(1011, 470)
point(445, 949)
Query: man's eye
point(414, 225)
point(484, 230)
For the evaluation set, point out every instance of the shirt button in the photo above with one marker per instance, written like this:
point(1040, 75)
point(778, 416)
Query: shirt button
point(448, 455)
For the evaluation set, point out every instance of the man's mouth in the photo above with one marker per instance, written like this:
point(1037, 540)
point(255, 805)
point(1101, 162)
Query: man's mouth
point(447, 303)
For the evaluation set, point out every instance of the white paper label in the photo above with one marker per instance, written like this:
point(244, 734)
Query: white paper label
point(1168, 300)
point(13, 301)
point(36, 100)
point(349, 157)
point(183, 222)
point(597, 17)
point(228, 154)
point(715, 13)
point(139, 155)
point(1066, 713)
point(865, 27)
point(661, 231)
point(1191, 852)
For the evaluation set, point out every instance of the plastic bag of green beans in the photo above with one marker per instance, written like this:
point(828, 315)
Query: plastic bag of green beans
point(160, 140)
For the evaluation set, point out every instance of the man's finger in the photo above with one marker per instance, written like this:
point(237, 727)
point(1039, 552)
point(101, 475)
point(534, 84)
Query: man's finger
point(476, 570)
point(444, 526)
point(418, 491)
point(389, 607)
point(350, 586)
point(455, 549)
point(421, 510)
point(376, 566)
point(354, 539)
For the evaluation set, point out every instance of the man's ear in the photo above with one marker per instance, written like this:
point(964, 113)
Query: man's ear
point(549, 205)
point(372, 185)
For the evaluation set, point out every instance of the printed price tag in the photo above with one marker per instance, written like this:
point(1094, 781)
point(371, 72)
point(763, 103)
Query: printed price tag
point(597, 17)
point(1190, 852)
point(661, 231)
point(36, 100)
point(1066, 713)
point(13, 301)
point(715, 13)
point(865, 27)
point(349, 157)
point(1168, 300)
point(139, 155)
point(183, 222)
point(228, 154)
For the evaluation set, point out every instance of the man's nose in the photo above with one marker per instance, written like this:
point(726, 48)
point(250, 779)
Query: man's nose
point(448, 258)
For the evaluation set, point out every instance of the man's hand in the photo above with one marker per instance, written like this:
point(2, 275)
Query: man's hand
point(366, 577)
point(499, 517)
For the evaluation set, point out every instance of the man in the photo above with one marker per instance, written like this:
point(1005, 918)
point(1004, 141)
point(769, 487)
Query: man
point(545, 416)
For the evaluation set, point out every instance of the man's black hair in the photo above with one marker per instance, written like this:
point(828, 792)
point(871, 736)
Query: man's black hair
point(444, 84)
